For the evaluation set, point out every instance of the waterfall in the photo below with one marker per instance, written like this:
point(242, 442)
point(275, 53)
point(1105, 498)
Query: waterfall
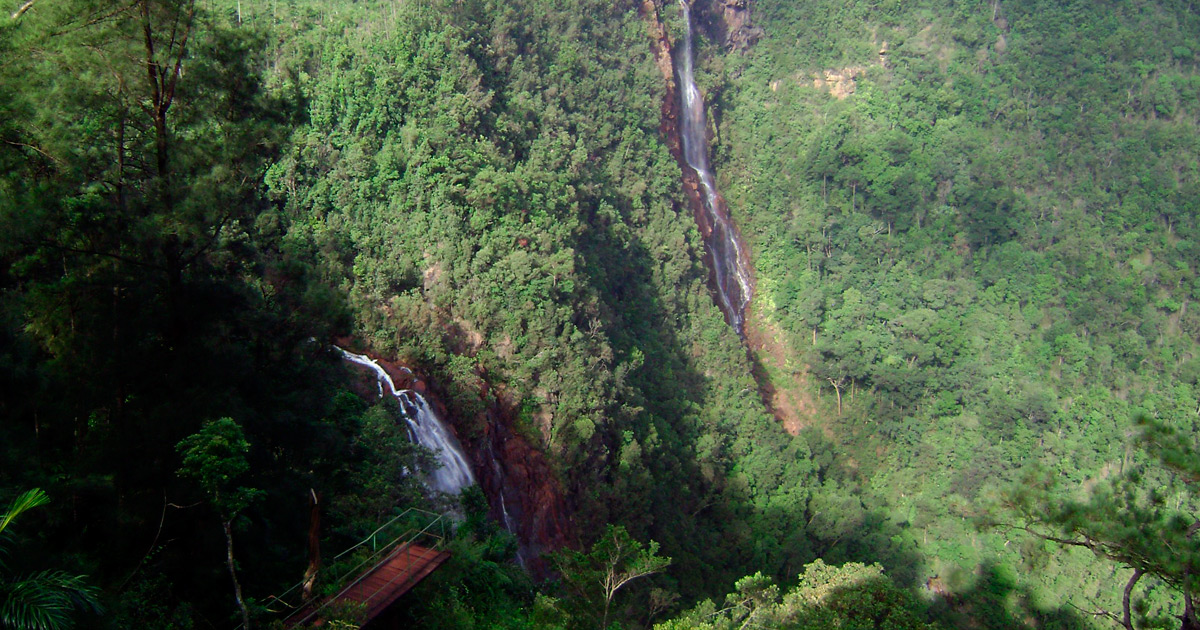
point(425, 428)
point(728, 259)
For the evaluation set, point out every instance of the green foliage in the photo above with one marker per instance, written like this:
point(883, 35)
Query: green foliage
point(850, 596)
point(45, 600)
point(145, 287)
point(980, 240)
point(25, 501)
point(147, 603)
point(215, 457)
point(592, 579)
point(514, 228)
point(991, 243)
point(1141, 518)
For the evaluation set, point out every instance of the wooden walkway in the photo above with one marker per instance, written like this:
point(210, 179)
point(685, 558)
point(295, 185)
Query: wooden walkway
point(380, 587)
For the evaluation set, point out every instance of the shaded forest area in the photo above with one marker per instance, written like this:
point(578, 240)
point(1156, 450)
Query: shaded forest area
point(974, 230)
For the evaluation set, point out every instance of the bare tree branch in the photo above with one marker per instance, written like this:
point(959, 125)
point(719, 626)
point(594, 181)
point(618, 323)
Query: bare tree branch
point(30, 146)
point(88, 252)
point(94, 19)
point(24, 7)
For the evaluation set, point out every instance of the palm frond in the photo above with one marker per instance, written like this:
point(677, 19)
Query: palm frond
point(45, 601)
point(42, 601)
point(24, 501)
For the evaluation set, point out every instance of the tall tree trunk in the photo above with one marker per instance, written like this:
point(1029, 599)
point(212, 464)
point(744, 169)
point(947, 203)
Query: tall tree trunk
point(121, 205)
point(837, 387)
point(1127, 618)
point(163, 69)
point(1188, 618)
point(237, 587)
point(314, 546)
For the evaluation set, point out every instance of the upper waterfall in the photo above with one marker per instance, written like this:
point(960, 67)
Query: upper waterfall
point(425, 428)
point(730, 263)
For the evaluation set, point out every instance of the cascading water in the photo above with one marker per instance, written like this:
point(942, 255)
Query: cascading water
point(425, 428)
point(509, 523)
point(729, 262)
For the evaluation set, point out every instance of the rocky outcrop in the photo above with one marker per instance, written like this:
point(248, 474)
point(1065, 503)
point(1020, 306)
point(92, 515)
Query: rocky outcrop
point(660, 42)
point(840, 83)
point(728, 22)
point(524, 494)
point(735, 28)
point(523, 489)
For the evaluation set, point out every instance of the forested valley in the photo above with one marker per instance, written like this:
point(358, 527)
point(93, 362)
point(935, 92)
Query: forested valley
point(965, 392)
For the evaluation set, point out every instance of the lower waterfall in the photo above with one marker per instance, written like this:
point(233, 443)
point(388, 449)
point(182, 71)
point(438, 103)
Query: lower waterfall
point(453, 473)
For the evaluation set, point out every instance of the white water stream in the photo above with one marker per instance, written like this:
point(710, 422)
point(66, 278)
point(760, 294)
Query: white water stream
point(729, 262)
point(453, 473)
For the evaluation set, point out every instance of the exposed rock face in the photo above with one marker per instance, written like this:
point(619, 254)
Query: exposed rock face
point(727, 21)
point(737, 33)
point(661, 42)
point(839, 83)
point(523, 492)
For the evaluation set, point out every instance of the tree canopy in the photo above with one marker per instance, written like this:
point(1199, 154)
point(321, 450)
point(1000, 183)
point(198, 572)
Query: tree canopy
point(974, 234)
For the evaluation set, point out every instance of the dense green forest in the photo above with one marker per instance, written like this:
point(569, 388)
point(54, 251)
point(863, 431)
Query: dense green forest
point(992, 239)
point(975, 239)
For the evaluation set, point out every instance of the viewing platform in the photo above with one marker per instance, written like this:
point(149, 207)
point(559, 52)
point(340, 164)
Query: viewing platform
point(389, 565)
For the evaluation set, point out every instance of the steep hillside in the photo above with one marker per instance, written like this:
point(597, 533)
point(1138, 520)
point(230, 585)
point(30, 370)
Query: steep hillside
point(973, 236)
point(978, 223)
